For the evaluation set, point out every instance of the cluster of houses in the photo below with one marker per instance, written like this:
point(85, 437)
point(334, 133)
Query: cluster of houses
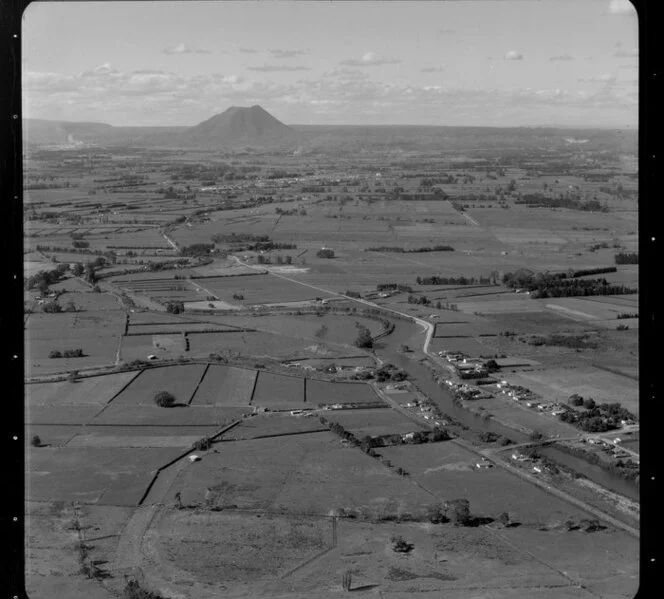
point(538, 467)
point(464, 366)
point(466, 392)
point(425, 411)
point(611, 447)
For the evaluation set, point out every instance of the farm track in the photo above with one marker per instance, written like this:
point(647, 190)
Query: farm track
point(316, 557)
point(160, 483)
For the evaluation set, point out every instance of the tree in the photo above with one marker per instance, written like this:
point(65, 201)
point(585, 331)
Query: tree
point(52, 308)
point(164, 399)
point(55, 354)
point(575, 400)
point(504, 519)
point(36, 441)
point(73, 376)
point(589, 403)
point(492, 366)
point(458, 511)
point(364, 339)
point(325, 253)
point(175, 307)
point(400, 545)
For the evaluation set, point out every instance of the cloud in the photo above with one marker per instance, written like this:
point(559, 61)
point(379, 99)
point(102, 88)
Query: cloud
point(604, 78)
point(153, 97)
point(276, 68)
point(432, 70)
point(562, 57)
point(183, 48)
point(621, 7)
point(513, 55)
point(370, 59)
point(446, 31)
point(346, 74)
point(277, 53)
point(633, 53)
point(247, 50)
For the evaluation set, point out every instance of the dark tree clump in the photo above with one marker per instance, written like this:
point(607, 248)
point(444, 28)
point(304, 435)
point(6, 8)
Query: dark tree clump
point(164, 399)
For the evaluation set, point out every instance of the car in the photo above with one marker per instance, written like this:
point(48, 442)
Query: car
point(152, 357)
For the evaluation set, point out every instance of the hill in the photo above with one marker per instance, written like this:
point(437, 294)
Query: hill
point(237, 127)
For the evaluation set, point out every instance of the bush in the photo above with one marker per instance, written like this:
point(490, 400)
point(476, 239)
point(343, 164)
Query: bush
point(325, 253)
point(400, 545)
point(575, 400)
point(55, 354)
point(203, 444)
point(36, 441)
point(458, 511)
point(175, 307)
point(164, 399)
point(589, 403)
point(133, 590)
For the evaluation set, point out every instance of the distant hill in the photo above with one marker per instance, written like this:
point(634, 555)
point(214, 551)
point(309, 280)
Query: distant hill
point(253, 127)
point(40, 132)
point(238, 127)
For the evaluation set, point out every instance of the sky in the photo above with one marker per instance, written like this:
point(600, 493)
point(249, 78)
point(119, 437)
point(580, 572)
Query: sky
point(569, 63)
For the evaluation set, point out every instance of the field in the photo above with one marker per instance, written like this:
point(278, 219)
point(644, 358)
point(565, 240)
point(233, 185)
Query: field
point(180, 381)
point(225, 386)
point(449, 471)
point(107, 475)
point(276, 391)
point(558, 384)
point(92, 390)
point(261, 289)
point(322, 393)
point(264, 344)
point(310, 473)
point(373, 422)
point(97, 333)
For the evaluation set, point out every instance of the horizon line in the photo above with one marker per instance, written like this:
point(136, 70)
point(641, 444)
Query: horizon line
point(539, 126)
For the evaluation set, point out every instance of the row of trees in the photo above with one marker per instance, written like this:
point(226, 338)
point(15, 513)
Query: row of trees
point(440, 280)
point(394, 287)
point(627, 258)
point(261, 259)
point(545, 285)
point(197, 249)
point(400, 250)
point(540, 201)
point(68, 353)
point(596, 418)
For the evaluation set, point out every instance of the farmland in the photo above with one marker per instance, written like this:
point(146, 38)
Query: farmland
point(272, 309)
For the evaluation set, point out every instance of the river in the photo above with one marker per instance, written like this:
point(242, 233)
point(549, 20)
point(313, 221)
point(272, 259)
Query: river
point(411, 334)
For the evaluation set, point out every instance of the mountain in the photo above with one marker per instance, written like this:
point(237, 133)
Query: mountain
point(236, 127)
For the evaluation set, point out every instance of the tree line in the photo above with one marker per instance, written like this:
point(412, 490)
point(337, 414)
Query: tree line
point(544, 285)
point(439, 280)
point(627, 258)
point(400, 250)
